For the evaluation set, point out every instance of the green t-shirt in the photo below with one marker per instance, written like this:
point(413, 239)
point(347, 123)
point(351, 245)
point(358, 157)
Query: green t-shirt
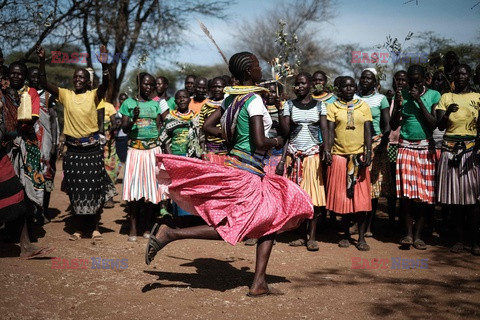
point(146, 125)
point(414, 126)
point(377, 103)
point(244, 140)
point(171, 103)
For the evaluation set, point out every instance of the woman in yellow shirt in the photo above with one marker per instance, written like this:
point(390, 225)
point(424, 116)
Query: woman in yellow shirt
point(85, 179)
point(348, 151)
point(458, 169)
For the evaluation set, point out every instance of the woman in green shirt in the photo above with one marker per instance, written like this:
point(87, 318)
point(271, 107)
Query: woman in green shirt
point(416, 150)
point(140, 120)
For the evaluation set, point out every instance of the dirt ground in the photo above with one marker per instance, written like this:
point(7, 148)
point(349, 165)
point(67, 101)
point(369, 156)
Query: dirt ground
point(195, 279)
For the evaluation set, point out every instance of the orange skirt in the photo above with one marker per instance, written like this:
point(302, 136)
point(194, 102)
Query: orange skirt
point(337, 200)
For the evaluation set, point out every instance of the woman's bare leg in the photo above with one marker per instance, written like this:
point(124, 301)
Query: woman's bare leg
point(264, 249)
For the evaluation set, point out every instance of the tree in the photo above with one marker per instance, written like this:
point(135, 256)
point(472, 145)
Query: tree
point(128, 28)
point(302, 18)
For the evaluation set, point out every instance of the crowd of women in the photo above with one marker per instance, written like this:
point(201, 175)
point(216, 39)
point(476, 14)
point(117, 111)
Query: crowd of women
point(322, 152)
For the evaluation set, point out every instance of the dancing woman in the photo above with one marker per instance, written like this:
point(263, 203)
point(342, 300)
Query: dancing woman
point(86, 181)
point(237, 200)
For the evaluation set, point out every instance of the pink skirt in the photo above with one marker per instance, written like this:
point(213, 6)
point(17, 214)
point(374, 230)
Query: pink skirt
point(337, 200)
point(236, 203)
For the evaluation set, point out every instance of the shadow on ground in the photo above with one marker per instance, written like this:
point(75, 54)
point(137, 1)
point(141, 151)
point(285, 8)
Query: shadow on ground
point(213, 274)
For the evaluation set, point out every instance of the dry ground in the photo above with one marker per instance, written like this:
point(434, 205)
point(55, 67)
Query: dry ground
point(196, 279)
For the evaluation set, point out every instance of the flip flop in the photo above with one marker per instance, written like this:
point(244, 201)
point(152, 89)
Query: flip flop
point(270, 292)
point(297, 243)
point(97, 236)
point(75, 236)
point(312, 245)
point(41, 252)
point(457, 248)
point(476, 251)
point(251, 242)
point(154, 244)
point(406, 241)
point(419, 245)
point(362, 246)
point(344, 243)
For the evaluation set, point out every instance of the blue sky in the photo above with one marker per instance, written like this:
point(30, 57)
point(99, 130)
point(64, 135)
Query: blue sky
point(366, 22)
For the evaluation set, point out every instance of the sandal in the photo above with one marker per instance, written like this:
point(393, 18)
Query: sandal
point(344, 243)
point(75, 236)
point(251, 242)
point(297, 243)
point(312, 245)
point(153, 244)
point(97, 236)
point(132, 239)
point(457, 248)
point(419, 245)
point(368, 234)
point(109, 204)
point(476, 250)
point(146, 235)
point(406, 241)
point(38, 253)
point(362, 246)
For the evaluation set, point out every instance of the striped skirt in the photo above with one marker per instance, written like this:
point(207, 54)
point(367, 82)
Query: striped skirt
point(458, 184)
point(139, 179)
point(337, 200)
point(308, 175)
point(415, 171)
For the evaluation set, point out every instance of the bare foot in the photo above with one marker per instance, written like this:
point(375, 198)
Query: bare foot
point(258, 289)
point(32, 251)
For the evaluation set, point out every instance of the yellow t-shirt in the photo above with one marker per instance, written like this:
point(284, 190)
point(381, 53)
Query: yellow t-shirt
point(109, 109)
point(348, 141)
point(80, 112)
point(464, 121)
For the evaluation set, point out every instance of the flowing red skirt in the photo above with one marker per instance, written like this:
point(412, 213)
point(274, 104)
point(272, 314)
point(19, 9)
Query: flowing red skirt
point(235, 202)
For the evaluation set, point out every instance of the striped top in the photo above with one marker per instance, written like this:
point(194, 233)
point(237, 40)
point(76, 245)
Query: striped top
point(208, 108)
point(307, 122)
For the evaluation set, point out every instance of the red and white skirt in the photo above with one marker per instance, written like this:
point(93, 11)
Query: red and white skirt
point(415, 170)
